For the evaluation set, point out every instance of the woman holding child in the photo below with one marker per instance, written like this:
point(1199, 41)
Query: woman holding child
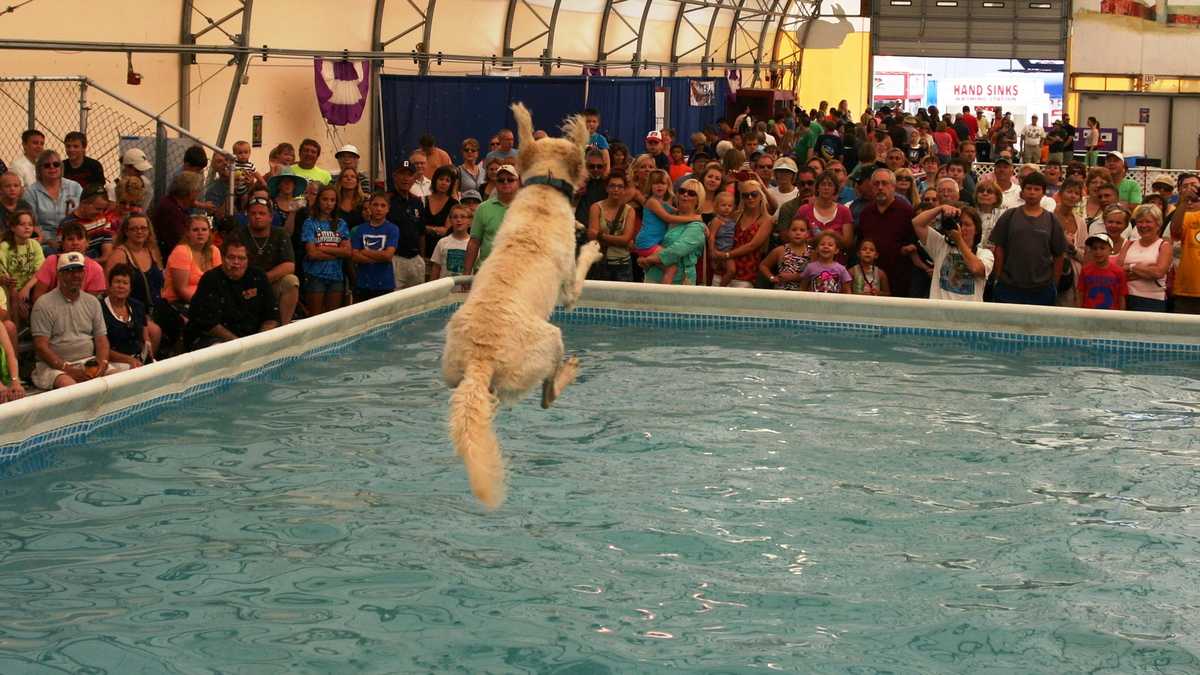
point(683, 243)
point(750, 234)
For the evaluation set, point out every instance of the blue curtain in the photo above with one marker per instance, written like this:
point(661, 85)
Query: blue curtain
point(454, 108)
point(685, 118)
point(626, 108)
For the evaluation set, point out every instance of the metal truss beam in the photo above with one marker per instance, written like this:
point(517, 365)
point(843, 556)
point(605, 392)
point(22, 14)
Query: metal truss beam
point(603, 50)
point(549, 26)
point(242, 39)
point(189, 18)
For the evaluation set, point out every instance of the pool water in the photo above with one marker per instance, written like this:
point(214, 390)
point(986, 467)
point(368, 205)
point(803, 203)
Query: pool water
point(701, 500)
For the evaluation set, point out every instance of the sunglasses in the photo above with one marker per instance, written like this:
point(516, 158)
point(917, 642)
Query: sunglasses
point(470, 149)
point(691, 193)
point(52, 165)
point(751, 195)
point(504, 181)
point(258, 200)
point(595, 167)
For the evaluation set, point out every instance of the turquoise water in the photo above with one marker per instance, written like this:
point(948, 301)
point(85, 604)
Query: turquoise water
point(700, 501)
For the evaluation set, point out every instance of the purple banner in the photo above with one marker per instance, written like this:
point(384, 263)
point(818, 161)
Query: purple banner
point(1108, 139)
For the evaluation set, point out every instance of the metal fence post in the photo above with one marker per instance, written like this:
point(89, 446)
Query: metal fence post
point(160, 159)
point(32, 104)
point(83, 106)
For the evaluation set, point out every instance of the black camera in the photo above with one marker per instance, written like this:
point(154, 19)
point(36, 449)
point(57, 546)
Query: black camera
point(949, 223)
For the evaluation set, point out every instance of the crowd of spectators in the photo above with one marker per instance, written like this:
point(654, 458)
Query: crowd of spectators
point(101, 277)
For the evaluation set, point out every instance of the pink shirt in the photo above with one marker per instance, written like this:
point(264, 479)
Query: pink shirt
point(93, 275)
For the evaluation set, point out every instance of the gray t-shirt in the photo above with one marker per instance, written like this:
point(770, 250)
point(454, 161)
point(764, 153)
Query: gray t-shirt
point(72, 326)
point(1030, 247)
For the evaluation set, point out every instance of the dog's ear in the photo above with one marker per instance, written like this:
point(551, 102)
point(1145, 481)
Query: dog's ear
point(575, 130)
point(524, 125)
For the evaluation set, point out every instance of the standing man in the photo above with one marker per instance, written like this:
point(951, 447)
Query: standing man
point(270, 251)
point(1128, 190)
point(972, 126)
point(347, 158)
point(32, 144)
point(489, 216)
point(1185, 229)
point(505, 150)
point(69, 334)
point(1030, 248)
point(422, 185)
point(404, 211)
point(306, 166)
point(888, 222)
point(595, 189)
point(79, 167)
point(434, 156)
point(231, 301)
point(1031, 141)
point(654, 148)
point(1002, 174)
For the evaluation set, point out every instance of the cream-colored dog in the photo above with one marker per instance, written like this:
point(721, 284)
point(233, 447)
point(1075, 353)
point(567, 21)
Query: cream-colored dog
point(499, 344)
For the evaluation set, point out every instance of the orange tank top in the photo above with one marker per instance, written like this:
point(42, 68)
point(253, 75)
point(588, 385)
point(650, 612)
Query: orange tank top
point(1187, 276)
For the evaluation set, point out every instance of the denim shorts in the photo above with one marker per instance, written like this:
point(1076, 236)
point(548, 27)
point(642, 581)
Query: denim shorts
point(318, 285)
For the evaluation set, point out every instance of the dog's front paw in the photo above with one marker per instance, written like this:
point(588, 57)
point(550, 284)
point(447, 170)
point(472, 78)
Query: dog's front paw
point(590, 252)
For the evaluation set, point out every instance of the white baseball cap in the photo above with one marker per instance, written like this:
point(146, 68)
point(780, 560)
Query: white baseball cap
point(654, 136)
point(508, 169)
point(1098, 237)
point(347, 149)
point(137, 159)
point(71, 260)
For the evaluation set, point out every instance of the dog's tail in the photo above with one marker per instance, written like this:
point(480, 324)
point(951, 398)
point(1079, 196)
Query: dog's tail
point(472, 407)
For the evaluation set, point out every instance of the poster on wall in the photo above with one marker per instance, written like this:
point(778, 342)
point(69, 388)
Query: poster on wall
point(1151, 34)
point(703, 93)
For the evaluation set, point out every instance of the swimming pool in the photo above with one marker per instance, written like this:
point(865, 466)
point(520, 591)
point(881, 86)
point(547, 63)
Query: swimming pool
point(710, 495)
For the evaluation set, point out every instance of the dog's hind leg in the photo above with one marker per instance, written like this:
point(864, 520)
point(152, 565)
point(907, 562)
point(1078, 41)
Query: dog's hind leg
point(589, 255)
point(553, 386)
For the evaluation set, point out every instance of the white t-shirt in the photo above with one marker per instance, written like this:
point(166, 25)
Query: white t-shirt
point(25, 169)
point(450, 254)
point(781, 198)
point(951, 278)
point(1012, 199)
point(1032, 134)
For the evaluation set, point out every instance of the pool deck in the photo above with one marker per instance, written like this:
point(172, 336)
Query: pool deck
point(71, 414)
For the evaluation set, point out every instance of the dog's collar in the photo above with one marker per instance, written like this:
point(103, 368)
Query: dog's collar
point(559, 184)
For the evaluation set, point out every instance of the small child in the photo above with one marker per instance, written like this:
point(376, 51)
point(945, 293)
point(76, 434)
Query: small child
point(1101, 284)
point(596, 140)
point(720, 237)
point(866, 277)
point(244, 172)
point(785, 265)
point(450, 254)
point(21, 257)
point(326, 244)
point(372, 245)
point(826, 274)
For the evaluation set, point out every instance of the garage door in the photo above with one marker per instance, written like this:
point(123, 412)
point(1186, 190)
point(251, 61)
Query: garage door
point(995, 29)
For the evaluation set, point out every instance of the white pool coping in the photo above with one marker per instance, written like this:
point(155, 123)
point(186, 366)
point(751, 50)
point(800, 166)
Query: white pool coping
point(73, 413)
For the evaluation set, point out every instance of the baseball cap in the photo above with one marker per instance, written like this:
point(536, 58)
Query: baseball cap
point(508, 169)
point(1116, 154)
point(72, 260)
point(1002, 160)
point(471, 194)
point(654, 136)
point(348, 149)
point(785, 164)
point(1098, 237)
point(1163, 179)
point(404, 165)
point(137, 159)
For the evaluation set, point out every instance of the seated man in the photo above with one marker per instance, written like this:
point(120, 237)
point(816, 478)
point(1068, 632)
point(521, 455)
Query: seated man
point(271, 251)
point(68, 329)
point(231, 301)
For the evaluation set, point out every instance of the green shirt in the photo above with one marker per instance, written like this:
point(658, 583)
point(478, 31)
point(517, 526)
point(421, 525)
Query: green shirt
point(1129, 191)
point(316, 173)
point(681, 246)
point(486, 224)
point(807, 141)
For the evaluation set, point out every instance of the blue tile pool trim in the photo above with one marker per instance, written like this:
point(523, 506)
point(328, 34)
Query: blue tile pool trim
point(14, 456)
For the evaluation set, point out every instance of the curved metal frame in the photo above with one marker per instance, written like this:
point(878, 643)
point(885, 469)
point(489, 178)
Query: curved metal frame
point(547, 56)
point(638, 39)
point(240, 59)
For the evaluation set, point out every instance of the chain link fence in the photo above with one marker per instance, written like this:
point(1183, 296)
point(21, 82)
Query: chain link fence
point(57, 106)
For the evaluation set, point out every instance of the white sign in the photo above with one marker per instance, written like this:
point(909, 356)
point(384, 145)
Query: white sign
point(987, 92)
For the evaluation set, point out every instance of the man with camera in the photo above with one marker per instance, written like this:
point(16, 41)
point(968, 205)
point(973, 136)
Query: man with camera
point(1030, 249)
point(1185, 229)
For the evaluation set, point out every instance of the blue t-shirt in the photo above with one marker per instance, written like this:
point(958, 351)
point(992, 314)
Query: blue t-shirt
point(653, 229)
point(325, 235)
point(598, 142)
point(376, 276)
